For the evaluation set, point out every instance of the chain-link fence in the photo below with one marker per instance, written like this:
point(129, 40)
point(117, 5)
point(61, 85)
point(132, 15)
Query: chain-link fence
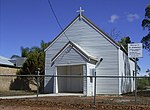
point(32, 86)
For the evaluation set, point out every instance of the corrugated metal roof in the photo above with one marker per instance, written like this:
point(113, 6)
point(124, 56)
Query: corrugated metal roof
point(5, 61)
point(18, 61)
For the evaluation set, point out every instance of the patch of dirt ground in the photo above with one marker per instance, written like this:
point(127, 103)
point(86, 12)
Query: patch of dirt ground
point(76, 103)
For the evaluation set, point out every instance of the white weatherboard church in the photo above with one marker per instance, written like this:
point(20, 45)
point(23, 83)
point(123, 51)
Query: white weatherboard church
point(79, 49)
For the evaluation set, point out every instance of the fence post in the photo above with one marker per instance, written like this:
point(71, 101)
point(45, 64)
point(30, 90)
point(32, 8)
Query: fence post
point(37, 93)
point(95, 88)
point(135, 81)
point(97, 64)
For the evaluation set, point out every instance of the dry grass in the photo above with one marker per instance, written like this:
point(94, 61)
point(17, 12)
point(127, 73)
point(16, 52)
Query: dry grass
point(124, 102)
point(77, 103)
point(15, 93)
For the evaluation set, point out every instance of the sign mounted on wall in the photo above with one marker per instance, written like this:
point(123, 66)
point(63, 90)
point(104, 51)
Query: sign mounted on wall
point(135, 50)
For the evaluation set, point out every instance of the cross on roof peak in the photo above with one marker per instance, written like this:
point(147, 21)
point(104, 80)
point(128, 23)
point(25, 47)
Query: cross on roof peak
point(80, 12)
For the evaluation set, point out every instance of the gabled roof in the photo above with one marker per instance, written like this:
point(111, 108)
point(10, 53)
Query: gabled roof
point(5, 61)
point(18, 61)
point(78, 49)
point(92, 25)
point(101, 32)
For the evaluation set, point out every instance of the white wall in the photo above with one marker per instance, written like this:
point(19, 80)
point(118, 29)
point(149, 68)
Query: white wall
point(90, 80)
point(96, 44)
point(132, 69)
point(126, 67)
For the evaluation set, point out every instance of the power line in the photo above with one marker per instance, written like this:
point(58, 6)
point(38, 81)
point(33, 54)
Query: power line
point(57, 19)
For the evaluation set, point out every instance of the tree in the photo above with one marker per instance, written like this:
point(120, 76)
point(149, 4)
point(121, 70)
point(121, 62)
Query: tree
point(115, 34)
point(44, 45)
point(142, 83)
point(35, 59)
point(146, 25)
point(15, 56)
point(24, 51)
point(124, 42)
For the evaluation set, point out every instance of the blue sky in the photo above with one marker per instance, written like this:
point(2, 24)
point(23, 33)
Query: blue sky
point(27, 22)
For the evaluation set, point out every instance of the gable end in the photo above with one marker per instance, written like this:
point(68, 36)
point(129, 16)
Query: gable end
point(77, 49)
point(63, 32)
point(101, 32)
point(92, 25)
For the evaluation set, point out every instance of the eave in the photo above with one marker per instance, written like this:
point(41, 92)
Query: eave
point(78, 49)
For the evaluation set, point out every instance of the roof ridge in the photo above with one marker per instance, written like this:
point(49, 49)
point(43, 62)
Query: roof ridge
point(100, 30)
point(79, 49)
point(90, 23)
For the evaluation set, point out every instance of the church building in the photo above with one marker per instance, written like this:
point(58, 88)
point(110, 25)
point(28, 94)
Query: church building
point(83, 49)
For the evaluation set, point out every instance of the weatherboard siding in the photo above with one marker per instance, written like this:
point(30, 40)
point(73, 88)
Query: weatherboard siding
point(126, 68)
point(69, 56)
point(132, 70)
point(81, 33)
point(90, 80)
point(84, 80)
